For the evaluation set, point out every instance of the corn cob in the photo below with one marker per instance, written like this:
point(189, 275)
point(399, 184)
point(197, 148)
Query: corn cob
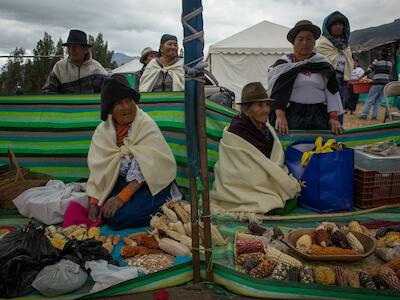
point(216, 236)
point(277, 256)
point(49, 231)
point(294, 274)
point(338, 239)
point(328, 226)
point(354, 243)
point(93, 233)
point(109, 247)
point(181, 212)
point(249, 246)
point(280, 272)
point(102, 238)
point(324, 275)
point(156, 222)
point(184, 239)
point(278, 233)
point(381, 243)
point(173, 247)
point(58, 242)
point(186, 206)
point(318, 250)
point(250, 264)
point(321, 237)
point(307, 275)
point(355, 226)
point(116, 239)
point(171, 215)
point(394, 264)
point(303, 244)
point(353, 278)
point(68, 230)
point(389, 276)
point(366, 281)
point(147, 241)
point(188, 229)
point(131, 251)
point(380, 282)
point(392, 240)
point(242, 258)
point(263, 269)
point(381, 232)
point(178, 227)
point(129, 242)
point(340, 277)
point(256, 229)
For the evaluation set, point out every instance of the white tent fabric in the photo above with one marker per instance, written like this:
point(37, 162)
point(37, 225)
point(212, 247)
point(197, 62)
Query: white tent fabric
point(128, 68)
point(246, 56)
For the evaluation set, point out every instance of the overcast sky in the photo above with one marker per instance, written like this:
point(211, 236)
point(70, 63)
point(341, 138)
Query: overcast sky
point(131, 25)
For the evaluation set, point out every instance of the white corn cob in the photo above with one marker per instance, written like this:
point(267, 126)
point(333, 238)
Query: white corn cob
point(188, 229)
point(277, 256)
point(169, 213)
point(185, 240)
point(186, 206)
point(157, 223)
point(303, 244)
point(354, 243)
point(328, 226)
point(181, 212)
point(216, 236)
point(173, 247)
point(178, 227)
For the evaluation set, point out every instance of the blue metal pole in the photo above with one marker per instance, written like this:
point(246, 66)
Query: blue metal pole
point(193, 53)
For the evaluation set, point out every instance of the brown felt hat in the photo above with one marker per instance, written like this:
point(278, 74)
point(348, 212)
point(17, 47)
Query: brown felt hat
point(254, 92)
point(303, 25)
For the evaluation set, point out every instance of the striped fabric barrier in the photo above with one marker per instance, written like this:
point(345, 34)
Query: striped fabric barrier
point(51, 133)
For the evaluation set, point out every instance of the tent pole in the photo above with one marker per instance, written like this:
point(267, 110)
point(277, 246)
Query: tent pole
point(204, 178)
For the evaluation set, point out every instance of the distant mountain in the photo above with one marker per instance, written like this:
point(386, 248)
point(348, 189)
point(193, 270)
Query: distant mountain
point(121, 58)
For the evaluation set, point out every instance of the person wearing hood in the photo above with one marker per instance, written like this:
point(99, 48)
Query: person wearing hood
point(334, 45)
point(79, 73)
point(166, 73)
point(304, 86)
point(132, 168)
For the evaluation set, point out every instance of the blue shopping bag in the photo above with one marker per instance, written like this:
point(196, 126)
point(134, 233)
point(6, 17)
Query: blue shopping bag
point(328, 178)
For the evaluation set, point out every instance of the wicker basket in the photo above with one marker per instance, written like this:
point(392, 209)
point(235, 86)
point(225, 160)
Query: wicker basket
point(15, 181)
point(368, 243)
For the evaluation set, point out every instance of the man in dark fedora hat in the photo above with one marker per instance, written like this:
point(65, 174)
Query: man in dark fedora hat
point(79, 72)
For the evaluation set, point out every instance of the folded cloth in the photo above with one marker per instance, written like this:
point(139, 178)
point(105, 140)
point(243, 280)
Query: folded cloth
point(77, 214)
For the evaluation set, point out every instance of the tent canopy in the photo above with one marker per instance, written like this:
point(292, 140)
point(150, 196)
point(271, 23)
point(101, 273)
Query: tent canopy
point(262, 38)
point(246, 56)
point(372, 37)
point(128, 68)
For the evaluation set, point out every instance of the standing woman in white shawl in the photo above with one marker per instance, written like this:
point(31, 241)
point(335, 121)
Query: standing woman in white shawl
point(165, 73)
point(132, 169)
point(334, 45)
point(304, 85)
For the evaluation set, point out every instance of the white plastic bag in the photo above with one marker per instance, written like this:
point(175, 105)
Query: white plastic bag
point(60, 278)
point(106, 275)
point(48, 203)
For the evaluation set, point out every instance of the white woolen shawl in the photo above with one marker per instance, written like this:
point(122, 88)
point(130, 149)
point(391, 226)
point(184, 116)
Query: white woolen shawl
point(147, 145)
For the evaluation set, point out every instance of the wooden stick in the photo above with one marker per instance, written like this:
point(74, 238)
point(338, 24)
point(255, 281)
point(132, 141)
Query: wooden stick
point(204, 179)
point(195, 229)
point(331, 215)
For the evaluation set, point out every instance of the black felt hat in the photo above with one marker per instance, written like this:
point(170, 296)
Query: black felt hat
point(114, 89)
point(77, 37)
point(303, 25)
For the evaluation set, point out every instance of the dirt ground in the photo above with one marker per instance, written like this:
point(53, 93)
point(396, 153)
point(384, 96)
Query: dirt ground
point(352, 121)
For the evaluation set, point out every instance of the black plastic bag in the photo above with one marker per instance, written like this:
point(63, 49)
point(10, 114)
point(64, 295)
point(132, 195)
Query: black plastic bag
point(23, 254)
point(82, 251)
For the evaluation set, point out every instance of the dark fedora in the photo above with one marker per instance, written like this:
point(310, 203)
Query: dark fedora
point(77, 37)
point(303, 25)
point(254, 92)
point(114, 89)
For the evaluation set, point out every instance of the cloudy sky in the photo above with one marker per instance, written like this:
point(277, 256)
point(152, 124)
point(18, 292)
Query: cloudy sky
point(131, 25)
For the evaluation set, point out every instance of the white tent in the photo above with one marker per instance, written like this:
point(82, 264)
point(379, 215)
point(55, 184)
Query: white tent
point(246, 56)
point(129, 68)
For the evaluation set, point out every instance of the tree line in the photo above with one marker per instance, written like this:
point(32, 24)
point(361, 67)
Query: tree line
point(31, 74)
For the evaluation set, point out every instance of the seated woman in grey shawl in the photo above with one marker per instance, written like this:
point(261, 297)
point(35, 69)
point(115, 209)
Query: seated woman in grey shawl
point(164, 73)
point(304, 85)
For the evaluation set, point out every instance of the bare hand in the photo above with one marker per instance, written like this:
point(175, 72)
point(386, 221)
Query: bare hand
point(281, 124)
point(93, 213)
point(335, 127)
point(111, 206)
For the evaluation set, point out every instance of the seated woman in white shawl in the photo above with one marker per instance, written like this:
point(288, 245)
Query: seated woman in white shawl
point(165, 73)
point(250, 175)
point(132, 169)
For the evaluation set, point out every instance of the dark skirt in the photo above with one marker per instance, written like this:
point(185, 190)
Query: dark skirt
point(305, 116)
point(352, 99)
point(137, 211)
